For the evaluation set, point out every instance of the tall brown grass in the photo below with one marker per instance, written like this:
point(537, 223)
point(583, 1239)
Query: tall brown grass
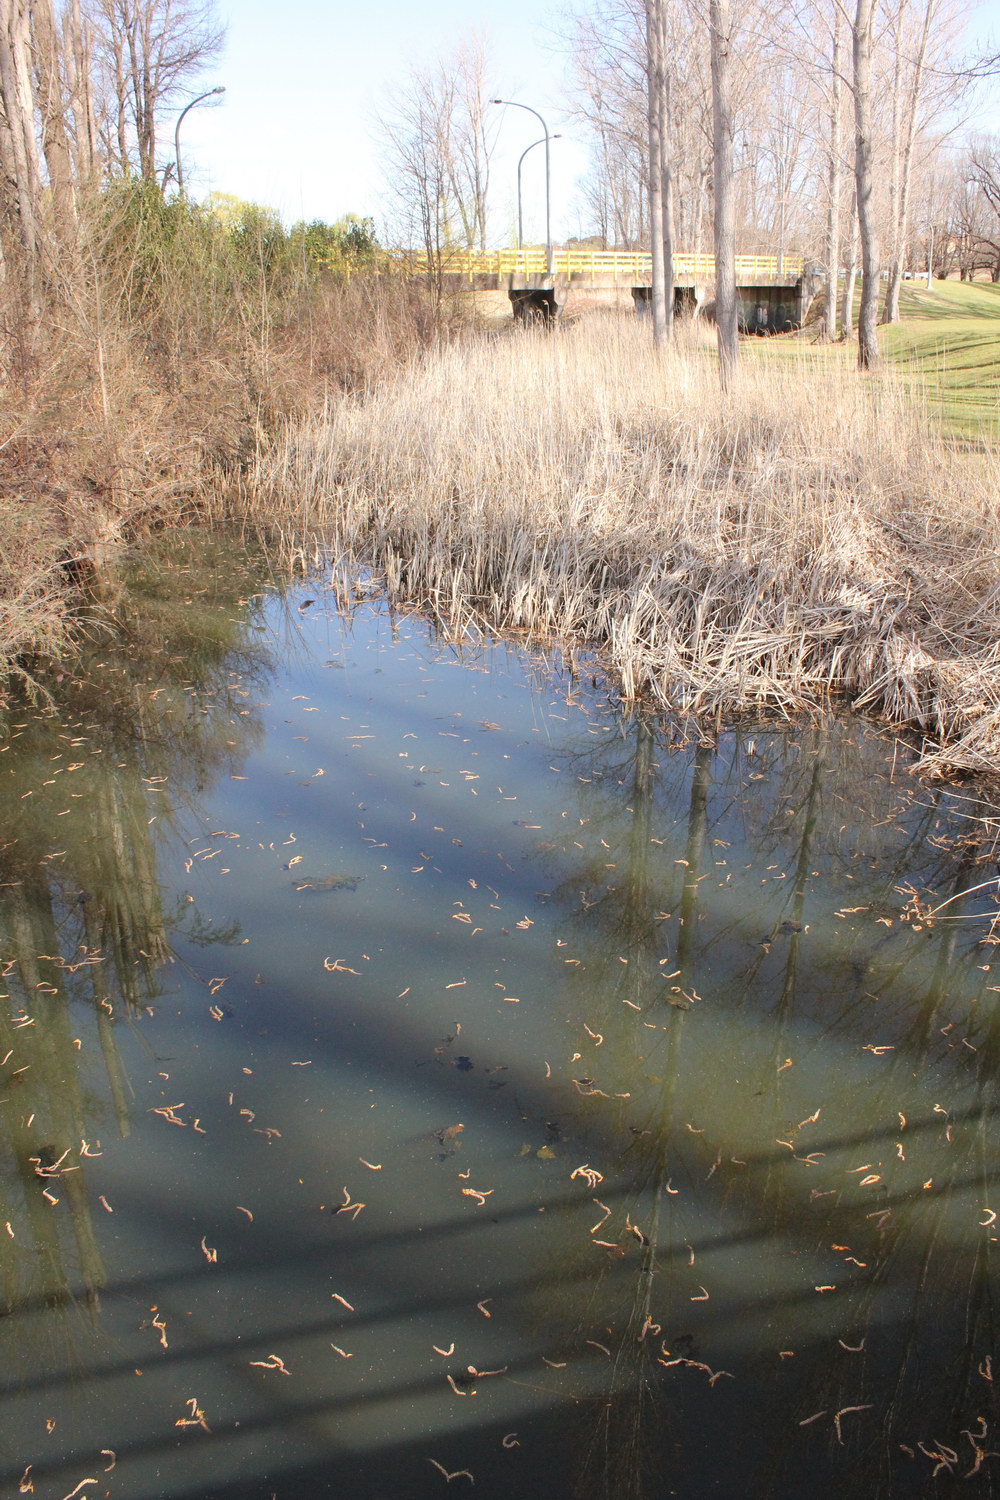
point(805, 537)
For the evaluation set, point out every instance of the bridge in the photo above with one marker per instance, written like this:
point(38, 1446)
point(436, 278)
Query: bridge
point(606, 267)
point(774, 290)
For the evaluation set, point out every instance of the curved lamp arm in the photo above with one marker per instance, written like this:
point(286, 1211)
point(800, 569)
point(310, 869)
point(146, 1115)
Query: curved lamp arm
point(177, 132)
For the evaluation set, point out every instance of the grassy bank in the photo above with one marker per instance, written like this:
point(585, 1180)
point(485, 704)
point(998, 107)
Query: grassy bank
point(945, 352)
point(803, 538)
point(948, 349)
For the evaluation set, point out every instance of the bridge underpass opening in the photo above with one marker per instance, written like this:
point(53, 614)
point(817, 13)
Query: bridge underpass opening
point(540, 302)
point(687, 300)
point(768, 309)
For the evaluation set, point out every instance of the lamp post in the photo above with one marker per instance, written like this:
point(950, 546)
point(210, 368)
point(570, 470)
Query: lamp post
point(520, 221)
point(177, 132)
point(512, 103)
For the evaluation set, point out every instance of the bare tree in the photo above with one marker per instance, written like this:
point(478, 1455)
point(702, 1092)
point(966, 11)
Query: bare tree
point(727, 328)
point(976, 208)
point(663, 103)
point(437, 147)
point(613, 189)
point(18, 147)
point(792, 73)
point(864, 150)
point(471, 140)
point(921, 33)
point(609, 47)
point(147, 52)
point(835, 167)
point(78, 68)
point(835, 177)
point(610, 96)
point(52, 113)
point(654, 117)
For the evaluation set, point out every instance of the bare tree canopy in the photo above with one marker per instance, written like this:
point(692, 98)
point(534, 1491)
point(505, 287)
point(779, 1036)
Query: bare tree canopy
point(83, 88)
point(971, 237)
point(146, 54)
point(437, 141)
point(797, 73)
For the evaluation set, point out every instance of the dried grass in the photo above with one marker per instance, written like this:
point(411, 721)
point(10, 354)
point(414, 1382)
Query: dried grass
point(805, 537)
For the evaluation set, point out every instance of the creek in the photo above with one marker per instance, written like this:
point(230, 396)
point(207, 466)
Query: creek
point(415, 1064)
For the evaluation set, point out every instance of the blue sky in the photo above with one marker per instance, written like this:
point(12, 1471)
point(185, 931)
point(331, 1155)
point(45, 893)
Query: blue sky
point(304, 80)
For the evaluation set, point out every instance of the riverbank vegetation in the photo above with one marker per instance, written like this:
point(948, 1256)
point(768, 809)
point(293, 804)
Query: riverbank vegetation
point(805, 536)
point(146, 343)
point(142, 373)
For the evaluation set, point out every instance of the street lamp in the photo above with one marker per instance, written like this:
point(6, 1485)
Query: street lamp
point(520, 222)
point(512, 103)
point(177, 132)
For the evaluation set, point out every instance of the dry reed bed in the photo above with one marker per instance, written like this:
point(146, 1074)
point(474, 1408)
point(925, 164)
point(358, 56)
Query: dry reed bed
point(805, 536)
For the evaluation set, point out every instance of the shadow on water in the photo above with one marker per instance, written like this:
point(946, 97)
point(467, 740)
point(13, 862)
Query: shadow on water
point(729, 1114)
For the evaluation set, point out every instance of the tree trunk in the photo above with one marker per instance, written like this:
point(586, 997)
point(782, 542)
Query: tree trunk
point(850, 276)
point(914, 95)
point(868, 355)
point(654, 89)
point(8, 164)
point(727, 328)
point(77, 64)
point(16, 97)
point(667, 166)
point(834, 179)
point(55, 143)
point(890, 308)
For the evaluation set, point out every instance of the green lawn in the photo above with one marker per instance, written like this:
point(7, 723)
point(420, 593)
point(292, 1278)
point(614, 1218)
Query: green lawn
point(947, 350)
point(949, 344)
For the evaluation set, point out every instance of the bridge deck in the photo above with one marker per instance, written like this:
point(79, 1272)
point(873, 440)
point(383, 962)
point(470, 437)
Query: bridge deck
point(629, 267)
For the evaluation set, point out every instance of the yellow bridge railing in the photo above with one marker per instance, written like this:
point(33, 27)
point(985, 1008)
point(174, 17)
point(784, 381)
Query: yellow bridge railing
point(633, 266)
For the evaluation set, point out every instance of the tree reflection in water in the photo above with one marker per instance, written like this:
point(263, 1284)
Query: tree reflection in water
point(898, 1381)
point(97, 771)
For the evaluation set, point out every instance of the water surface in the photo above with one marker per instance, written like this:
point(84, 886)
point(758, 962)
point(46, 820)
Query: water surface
point(413, 1064)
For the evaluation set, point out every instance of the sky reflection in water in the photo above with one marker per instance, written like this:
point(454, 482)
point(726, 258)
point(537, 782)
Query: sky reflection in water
point(383, 1013)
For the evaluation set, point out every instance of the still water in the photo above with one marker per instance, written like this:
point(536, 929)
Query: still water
point(419, 1075)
